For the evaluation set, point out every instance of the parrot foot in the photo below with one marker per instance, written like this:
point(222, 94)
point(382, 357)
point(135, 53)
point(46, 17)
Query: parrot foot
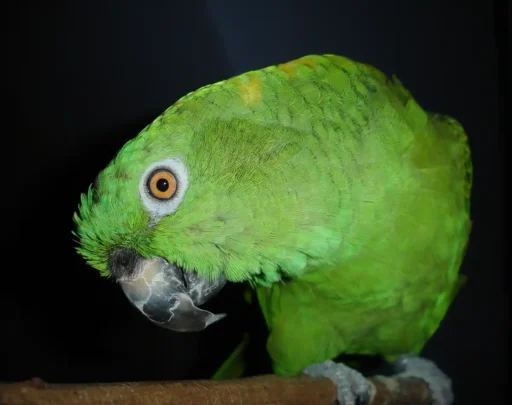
point(439, 383)
point(352, 387)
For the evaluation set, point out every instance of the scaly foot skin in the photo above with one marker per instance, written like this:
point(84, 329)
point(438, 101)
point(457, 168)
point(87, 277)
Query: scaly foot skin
point(352, 387)
point(439, 383)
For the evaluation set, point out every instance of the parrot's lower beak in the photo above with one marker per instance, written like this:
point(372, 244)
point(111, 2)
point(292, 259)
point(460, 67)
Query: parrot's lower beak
point(168, 296)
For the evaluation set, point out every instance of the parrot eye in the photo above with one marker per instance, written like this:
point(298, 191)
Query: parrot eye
point(162, 187)
point(162, 184)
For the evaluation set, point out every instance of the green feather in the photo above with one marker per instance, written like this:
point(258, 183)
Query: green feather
point(323, 184)
point(234, 365)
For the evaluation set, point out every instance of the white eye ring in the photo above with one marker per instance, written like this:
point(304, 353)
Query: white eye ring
point(159, 208)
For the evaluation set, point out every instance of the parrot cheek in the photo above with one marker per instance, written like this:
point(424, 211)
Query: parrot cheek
point(166, 294)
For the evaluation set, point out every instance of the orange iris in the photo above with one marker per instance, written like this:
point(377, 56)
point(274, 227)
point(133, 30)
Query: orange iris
point(162, 184)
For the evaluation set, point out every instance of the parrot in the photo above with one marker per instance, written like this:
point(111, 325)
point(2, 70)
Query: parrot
point(320, 183)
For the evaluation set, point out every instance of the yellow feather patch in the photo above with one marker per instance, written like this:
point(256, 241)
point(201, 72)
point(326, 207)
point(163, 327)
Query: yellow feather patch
point(291, 68)
point(250, 91)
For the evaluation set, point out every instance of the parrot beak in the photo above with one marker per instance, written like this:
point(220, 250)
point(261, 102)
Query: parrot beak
point(165, 293)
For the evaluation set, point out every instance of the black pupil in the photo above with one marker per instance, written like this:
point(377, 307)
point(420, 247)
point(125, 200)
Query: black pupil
point(162, 185)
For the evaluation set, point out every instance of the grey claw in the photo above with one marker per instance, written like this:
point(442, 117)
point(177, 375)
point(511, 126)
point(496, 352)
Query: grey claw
point(352, 387)
point(439, 383)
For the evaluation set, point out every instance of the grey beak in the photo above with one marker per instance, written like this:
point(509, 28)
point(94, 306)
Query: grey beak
point(166, 294)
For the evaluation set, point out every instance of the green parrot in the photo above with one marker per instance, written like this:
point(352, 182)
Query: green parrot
point(323, 185)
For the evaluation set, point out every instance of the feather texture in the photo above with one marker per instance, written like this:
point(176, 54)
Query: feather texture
point(320, 181)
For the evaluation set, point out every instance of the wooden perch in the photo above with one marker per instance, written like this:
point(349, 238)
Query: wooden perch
point(261, 390)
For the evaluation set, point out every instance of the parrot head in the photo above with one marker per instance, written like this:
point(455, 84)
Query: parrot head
point(214, 190)
point(126, 231)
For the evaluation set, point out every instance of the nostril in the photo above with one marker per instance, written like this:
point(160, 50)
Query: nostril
point(123, 262)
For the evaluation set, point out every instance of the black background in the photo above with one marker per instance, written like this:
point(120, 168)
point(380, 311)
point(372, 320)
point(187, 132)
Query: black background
point(84, 77)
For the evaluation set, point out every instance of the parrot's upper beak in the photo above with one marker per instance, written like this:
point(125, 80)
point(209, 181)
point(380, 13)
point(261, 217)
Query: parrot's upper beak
point(165, 293)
